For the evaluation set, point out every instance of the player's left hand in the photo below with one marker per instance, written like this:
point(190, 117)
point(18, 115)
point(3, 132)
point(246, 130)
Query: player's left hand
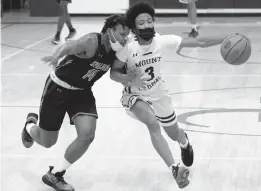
point(137, 78)
point(51, 60)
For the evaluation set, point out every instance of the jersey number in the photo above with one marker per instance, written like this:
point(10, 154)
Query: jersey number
point(150, 71)
point(90, 74)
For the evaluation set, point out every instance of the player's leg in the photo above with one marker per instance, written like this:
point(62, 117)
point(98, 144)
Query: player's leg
point(139, 109)
point(85, 127)
point(165, 114)
point(192, 15)
point(61, 21)
point(144, 113)
point(51, 118)
point(52, 112)
point(178, 134)
point(63, 18)
point(67, 17)
point(82, 111)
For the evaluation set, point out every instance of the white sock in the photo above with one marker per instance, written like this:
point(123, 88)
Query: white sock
point(194, 27)
point(64, 165)
point(29, 127)
point(175, 164)
point(184, 145)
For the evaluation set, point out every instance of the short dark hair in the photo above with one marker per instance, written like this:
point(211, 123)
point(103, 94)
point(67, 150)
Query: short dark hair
point(113, 21)
point(136, 9)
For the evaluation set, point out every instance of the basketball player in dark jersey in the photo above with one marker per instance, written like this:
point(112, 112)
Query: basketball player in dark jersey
point(68, 89)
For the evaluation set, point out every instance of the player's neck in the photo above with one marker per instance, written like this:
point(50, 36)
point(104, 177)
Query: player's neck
point(105, 41)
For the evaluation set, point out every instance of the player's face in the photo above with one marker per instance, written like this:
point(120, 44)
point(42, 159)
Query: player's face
point(118, 36)
point(120, 33)
point(144, 26)
point(144, 20)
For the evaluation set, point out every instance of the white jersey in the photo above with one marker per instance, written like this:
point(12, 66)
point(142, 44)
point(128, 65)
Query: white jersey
point(148, 60)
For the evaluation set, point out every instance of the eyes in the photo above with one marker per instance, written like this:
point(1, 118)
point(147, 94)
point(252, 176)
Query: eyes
point(124, 33)
point(142, 22)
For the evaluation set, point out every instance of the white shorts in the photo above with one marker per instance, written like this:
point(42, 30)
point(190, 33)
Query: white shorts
point(162, 107)
point(187, 1)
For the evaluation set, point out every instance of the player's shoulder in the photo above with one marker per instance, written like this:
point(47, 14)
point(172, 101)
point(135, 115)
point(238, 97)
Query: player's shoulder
point(90, 40)
point(157, 35)
point(130, 39)
point(129, 43)
point(158, 38)
point(166, 36)
point(89, 44)
point(168, 39)
point(131, 36)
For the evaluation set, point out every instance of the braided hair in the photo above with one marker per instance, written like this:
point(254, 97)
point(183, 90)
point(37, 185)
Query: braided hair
point(114, 20)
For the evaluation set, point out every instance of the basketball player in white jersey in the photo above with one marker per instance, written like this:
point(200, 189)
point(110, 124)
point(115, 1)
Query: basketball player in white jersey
point(145, 95)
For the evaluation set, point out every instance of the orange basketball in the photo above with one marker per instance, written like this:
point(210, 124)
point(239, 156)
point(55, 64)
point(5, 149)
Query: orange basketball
point(236, 49)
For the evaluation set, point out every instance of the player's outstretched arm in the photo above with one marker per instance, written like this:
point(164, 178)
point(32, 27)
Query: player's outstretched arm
point(118, 73)
point(202, 42)
point(86, 44)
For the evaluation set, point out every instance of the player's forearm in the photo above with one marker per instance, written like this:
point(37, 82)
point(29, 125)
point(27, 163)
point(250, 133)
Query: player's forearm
point(211, 41)
point(61, 51)
point(120, 77)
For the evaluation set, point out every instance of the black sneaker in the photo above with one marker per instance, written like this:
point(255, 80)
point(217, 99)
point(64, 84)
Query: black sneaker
point(56, 39)
point(187, 154)
point(193, 33)
point(181, 174)
point(26, 137)
point(56, 181)
point(71, 34)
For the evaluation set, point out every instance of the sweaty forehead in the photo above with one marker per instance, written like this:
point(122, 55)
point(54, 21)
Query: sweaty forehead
point(143, 17)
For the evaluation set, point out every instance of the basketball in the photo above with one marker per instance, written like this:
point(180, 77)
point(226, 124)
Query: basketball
point(236, 49)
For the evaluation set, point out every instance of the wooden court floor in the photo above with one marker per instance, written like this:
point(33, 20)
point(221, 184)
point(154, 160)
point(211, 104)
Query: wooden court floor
point(216, 103)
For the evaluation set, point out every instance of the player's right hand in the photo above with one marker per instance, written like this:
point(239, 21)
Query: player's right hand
point(51, 60)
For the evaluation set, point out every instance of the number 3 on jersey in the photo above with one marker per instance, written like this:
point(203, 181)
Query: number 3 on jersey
point(150, 71)
point(90, 74)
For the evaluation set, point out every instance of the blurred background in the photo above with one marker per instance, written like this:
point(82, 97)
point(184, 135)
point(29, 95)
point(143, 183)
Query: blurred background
point(46, 10)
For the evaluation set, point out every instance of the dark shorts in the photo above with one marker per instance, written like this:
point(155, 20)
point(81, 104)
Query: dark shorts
point(56, 101)
point(58, 1)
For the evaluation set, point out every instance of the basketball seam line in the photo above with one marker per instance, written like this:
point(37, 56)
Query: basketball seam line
point(232, 48)
point(240, 54)
point(227, 39)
